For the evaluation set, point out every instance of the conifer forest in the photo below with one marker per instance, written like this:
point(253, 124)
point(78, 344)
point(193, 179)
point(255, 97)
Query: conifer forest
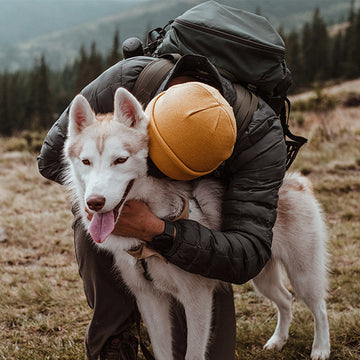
point(33, 99)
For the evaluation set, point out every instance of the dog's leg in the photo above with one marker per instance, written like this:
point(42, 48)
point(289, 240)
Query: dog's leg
point(321, 343)
point(198, 306)
point(155, 312)
point(198, 311)
point(269, 284)
point(310, 287)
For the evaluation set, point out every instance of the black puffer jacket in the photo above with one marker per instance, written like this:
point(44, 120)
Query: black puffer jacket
point(252, 177)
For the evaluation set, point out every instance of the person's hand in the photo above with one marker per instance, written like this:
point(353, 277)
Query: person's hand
point(136, 220)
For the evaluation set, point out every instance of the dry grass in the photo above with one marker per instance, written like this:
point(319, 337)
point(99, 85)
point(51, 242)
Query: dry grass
point(351, 86)
point(331, 160)
point(43, 311)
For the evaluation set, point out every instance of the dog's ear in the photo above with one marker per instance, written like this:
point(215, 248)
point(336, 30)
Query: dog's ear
point(81, 115)
point(127, 110)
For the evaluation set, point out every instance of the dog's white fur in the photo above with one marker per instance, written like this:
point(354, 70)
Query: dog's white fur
point(299, 242)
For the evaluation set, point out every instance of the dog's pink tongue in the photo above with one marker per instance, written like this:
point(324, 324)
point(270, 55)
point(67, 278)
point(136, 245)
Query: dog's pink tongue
point(101, 226)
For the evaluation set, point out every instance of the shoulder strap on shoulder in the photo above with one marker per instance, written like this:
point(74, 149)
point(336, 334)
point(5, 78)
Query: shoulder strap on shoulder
point(155, 73)
point(151, 78)
point(245, 105)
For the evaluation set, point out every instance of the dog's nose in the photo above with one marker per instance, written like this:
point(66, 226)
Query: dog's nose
point(95, 202)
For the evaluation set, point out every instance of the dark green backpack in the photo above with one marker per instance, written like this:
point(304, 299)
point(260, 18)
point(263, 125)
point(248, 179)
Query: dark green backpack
point(243, 46)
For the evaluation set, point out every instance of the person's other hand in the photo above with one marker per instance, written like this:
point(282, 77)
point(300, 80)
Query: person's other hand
point(136, 220)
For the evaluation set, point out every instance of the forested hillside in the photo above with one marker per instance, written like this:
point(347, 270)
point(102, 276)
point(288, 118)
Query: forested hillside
point(33, 99)
point(57, 29)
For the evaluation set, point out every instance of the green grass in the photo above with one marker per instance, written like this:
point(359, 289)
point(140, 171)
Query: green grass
point(43, 310)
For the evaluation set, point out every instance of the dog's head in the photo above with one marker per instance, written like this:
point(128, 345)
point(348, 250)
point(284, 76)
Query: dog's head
point(106, 153)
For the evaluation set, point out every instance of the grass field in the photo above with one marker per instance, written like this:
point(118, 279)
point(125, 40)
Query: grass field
point(43, 311)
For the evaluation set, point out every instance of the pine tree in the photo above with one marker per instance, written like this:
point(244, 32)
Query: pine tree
point(115, 53)
point(350, 45)
point(81, 70)
point(293, 58)
point(95, 62)
point(5, 124)
point(315, 48)
point(45, 103)
point(321, 47)
point(306, 58)
point(88, 67)
point(17, 93)
point(354, 49)
point(39, 101)
point(63, 87)
point(351, 17)
point(337, 56)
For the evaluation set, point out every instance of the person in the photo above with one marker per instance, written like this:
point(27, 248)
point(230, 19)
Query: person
point(252, 176)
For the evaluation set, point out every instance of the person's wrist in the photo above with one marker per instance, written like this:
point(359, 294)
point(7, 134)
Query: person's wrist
point(163, 242)
point(156, 228)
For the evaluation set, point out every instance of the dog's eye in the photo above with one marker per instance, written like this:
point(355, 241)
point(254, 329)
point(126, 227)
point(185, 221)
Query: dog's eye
point(86, 162)
point(120, 160)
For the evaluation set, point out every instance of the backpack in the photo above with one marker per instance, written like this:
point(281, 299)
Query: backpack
point(244, 47)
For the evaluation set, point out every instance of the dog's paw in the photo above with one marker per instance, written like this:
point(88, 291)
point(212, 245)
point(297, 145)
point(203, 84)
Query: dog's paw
point(275, 343)
point(320, 354)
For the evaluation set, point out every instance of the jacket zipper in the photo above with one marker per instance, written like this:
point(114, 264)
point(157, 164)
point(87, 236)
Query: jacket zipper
point(230, 37)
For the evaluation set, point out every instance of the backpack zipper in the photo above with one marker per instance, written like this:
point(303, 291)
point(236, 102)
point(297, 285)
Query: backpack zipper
point(230, 36)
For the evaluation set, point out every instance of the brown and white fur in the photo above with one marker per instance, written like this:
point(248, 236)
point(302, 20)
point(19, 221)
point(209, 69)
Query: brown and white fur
point(106, 152)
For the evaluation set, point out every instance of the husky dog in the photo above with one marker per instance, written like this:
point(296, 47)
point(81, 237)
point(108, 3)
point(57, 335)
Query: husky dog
point(107, 165)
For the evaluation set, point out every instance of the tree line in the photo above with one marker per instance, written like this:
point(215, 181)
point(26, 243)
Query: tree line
point(34, 99)
point(315, 56)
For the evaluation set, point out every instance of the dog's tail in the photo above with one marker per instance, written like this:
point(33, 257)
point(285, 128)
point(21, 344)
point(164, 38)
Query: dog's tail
point(298, 182)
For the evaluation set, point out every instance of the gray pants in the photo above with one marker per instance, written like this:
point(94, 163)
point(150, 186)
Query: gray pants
point(114, 309)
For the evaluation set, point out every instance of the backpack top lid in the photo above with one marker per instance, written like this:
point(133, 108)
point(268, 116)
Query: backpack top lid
point(243, 45)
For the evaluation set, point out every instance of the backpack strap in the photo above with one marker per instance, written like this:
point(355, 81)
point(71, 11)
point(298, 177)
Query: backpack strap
point(151, 77)
point(245, 105)
point(155, 73)
point(296, 142)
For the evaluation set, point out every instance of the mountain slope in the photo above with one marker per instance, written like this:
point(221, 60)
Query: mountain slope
point(22, 20)
point(58, 28)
